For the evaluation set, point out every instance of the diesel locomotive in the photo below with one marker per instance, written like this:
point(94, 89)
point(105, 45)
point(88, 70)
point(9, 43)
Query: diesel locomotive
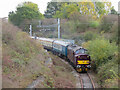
point(77, 55)
point(74, 53)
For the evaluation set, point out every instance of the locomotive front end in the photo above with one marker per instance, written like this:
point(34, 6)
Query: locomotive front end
point(82, 61)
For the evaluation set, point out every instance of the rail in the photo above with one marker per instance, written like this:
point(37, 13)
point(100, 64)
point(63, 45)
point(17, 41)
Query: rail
point(86, 81)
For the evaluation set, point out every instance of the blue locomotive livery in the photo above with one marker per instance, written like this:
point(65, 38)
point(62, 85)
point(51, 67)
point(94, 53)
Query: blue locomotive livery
point(74, 53)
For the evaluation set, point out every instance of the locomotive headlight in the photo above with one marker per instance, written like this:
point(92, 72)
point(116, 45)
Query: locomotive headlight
point(89, 66)
point(87, 56)
point(78, 56)
point(78, 66)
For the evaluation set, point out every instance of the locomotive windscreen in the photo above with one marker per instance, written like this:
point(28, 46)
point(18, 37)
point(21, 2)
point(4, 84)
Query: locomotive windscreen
point(80, 51)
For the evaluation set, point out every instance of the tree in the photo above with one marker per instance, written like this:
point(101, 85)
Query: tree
point(96, 10)
point(102, 8)
point(52, 7)
point(113, 11)
point(25, 11)
point(66, 10)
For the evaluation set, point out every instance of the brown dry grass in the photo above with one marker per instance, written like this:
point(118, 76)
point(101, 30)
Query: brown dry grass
point(24, 61)
point(62, 73)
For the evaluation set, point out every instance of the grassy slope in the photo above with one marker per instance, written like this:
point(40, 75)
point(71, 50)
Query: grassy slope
point(23, 60)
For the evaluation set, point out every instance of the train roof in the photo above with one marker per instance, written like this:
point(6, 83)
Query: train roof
point(57, 41)
point(62, 43)
point(46, 39)
point(65, 40)
point(74, 47)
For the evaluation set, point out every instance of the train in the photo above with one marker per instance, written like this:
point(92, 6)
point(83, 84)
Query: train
point(77, 55)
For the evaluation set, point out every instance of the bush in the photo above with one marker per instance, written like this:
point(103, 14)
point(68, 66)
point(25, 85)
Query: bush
point(90, 36)
point(114, 31)
point(107, 22)
point(77, 23)
point(105, 72)
point(94, 24)
point(101, 51)
point(108, 74)
point(104, 56)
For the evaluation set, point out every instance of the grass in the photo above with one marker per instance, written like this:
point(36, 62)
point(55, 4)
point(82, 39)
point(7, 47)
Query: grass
point(24, 61)
point(62, 72)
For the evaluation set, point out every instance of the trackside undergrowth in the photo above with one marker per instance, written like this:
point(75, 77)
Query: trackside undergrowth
point(24, 60)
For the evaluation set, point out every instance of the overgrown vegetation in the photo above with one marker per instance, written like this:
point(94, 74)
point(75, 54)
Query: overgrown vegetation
point(107, 23)
point(87, 22)
point(104, 57)
point(24, 60)
point(65, 9)
point(90, 35)
point(101, 40)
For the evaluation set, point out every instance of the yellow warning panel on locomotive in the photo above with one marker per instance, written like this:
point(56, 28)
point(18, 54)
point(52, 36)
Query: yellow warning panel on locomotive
point(83, 62)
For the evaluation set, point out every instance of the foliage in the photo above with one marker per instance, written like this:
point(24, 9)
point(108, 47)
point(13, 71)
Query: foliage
point(94, 24)
point(107, 23)
point(25, 11)
point(30, 5)
point(24, 60)
point(104, 56)
point(101, 51)
point(52, 7)
point(76, 24)
point(95, 10)
point(108, 74)
point(89, 35)
point(102, 8)
point(114, 30)
point(88, 8)
point(20, 47)
point(113, 11)
point(66, 10)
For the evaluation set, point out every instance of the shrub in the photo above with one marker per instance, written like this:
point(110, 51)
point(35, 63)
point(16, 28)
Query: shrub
point(107, 23)
point(105, 72)
point(114, 30)
point(94, 24)
point(77, 23)
point(108, 74)
point(105, 60)
point(90, 36)
point(101, 51)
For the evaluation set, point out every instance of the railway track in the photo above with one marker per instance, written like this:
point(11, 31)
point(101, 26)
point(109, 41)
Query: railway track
point(86, 81)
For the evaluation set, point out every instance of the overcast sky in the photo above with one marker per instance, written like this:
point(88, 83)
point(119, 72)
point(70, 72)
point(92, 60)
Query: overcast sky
point(10, 5)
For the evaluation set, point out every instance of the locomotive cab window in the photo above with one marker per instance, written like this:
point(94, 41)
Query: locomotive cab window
point(81, 51)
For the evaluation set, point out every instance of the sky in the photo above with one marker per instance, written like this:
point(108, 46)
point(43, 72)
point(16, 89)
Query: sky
point(10, 5)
